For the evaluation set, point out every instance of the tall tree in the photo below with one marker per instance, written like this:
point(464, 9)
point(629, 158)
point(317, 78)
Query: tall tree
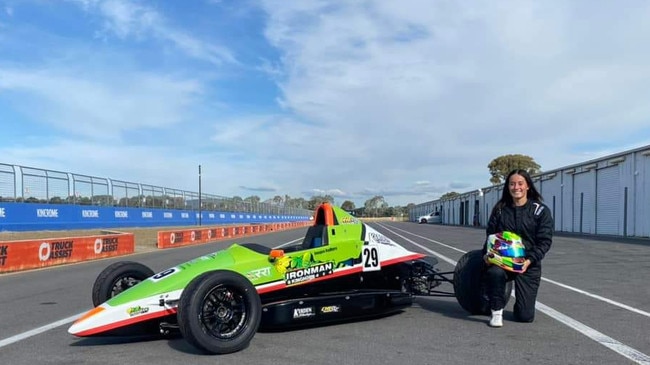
point(501, 166)
point(237, 203)
point(253, 199)
point(295, 202)
point(315, 201)
point(375, 206)
point(251, 203)
point(399, 211)
point(278, 200)
point(348, 205)
point(449, 195)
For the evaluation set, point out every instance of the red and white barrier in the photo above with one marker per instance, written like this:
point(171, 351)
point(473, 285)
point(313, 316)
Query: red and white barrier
point(185, 237)
point(32, 254)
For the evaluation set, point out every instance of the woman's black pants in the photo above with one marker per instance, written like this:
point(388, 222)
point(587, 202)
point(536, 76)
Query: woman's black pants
point(526, 286)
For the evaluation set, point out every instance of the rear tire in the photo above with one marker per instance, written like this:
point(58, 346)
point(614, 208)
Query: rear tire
point(117, 278)
point(469, 286)
point(219, 312)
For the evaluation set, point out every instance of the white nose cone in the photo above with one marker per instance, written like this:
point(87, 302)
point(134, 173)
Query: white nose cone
point(105, 318)
point(89, 323)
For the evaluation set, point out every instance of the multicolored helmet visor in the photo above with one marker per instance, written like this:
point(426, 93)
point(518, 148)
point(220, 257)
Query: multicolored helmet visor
point(506, 250)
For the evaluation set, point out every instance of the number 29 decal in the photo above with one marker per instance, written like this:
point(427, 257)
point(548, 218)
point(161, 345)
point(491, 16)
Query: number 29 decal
point(370, 258)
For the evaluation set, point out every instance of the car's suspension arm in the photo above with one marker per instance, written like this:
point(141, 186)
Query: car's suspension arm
point(423, 278)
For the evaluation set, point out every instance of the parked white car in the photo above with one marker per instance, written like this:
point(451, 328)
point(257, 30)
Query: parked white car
point(433, 217)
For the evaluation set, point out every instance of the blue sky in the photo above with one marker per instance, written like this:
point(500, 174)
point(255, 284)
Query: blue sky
point(405, 99)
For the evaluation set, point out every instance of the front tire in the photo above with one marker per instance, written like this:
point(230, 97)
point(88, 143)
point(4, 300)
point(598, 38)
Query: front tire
point(117, 278)
point(469, 286)
point(219, 312)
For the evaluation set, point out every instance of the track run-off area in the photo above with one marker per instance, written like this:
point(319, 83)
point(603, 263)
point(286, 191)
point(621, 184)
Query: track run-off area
point(593, 308)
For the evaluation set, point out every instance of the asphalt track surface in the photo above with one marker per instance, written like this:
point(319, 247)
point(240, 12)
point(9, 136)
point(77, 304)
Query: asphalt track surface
point(593, 308)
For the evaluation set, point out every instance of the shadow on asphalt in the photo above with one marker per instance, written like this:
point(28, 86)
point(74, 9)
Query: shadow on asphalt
point(116, 340)
point(448, 308)
point(174, 340)
point(453, 310)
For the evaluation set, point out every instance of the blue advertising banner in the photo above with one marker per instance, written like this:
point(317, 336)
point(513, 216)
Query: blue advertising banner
point(37, 217)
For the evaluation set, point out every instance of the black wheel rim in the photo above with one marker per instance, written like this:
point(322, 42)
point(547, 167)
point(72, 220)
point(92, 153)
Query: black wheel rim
point(123, 283)
point(223, 314)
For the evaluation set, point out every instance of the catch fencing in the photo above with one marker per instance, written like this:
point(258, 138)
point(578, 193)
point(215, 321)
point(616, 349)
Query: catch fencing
point(20, 184)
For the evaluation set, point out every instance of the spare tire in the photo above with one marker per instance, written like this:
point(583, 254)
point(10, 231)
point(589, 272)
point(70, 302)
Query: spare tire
point(469, 285)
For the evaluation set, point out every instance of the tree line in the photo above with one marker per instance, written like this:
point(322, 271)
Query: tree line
point(373, 207)
point(499, 168)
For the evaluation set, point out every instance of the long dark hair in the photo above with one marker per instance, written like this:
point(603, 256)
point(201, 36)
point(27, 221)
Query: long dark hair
point(506, 198)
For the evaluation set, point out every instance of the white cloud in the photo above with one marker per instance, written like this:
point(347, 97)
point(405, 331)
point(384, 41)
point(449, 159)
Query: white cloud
point(439, 89)
point(408, 99)
point(101, 106)
point(125, 19)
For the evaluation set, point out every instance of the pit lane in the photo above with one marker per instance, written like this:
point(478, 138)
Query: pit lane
point(581, 274)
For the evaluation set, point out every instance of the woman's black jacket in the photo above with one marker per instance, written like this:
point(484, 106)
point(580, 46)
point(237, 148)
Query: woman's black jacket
point(532, 221)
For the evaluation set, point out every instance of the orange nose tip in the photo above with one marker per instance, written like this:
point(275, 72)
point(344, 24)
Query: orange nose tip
point(89, 314)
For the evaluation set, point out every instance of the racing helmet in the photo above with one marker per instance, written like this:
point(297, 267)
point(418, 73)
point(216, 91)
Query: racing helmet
point(506, 250)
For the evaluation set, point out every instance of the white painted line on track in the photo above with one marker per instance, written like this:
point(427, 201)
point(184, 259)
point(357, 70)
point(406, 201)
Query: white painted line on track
point(61, 322)
point(37, 331)
point(601, 338)
point(614, 345)
point(290, 242)
point(595, 296)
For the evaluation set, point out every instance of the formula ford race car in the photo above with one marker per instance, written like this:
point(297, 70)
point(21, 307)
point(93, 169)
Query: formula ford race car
point(343, 270)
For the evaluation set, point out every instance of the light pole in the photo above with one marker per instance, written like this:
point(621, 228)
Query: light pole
point(199, 195)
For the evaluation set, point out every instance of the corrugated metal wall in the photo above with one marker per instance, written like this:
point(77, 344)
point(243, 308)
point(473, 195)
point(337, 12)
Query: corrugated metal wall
point(551, 190)
point(639, 200)
point(607, 196)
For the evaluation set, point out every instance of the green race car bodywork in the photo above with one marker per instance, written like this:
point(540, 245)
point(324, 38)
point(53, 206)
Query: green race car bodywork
point(336, 248)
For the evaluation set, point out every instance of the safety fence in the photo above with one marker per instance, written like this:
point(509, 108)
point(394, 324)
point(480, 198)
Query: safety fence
point(176, 238)
point(20, 184)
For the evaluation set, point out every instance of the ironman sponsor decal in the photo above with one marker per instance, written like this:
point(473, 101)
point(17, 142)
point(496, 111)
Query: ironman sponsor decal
point(309, 273)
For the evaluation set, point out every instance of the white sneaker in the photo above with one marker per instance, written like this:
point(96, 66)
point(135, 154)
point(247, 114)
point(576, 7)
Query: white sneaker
point(497, 318)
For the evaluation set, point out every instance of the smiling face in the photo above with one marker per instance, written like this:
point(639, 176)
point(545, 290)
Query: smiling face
point(518, 188)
